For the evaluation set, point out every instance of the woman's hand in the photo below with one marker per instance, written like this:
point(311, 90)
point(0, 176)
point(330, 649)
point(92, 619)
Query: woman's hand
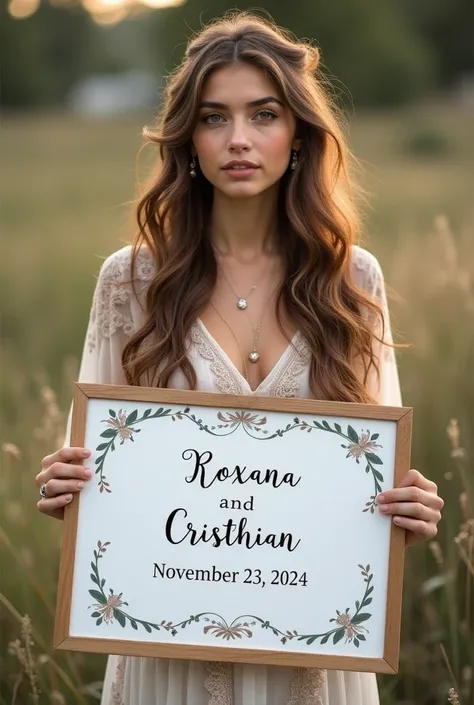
point(60, 477)
point(414, 505)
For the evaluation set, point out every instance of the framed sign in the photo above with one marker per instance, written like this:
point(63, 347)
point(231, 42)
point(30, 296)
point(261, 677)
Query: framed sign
point(234, 528)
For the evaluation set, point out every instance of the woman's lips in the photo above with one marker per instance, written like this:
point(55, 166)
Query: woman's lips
point(241, 173)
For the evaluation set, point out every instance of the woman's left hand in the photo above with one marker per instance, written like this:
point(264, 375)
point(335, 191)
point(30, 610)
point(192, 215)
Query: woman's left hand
point(414, 505)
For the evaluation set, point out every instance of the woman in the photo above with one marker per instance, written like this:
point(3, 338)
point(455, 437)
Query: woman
point(244, 279)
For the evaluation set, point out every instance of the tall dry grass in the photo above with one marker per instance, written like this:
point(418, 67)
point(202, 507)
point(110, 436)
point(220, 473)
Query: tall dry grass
point(435, 272)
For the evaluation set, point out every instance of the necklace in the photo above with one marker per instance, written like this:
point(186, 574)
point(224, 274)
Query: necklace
point(235, 338)
point(242, 301)
point(253, 355)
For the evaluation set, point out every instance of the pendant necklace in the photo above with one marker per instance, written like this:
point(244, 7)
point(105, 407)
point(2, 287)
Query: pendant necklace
point(237, 342)
point(242, 301)
point(253, 355)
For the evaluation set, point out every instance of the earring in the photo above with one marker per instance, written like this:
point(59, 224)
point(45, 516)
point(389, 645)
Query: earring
point(192, 167)
point(294, 160)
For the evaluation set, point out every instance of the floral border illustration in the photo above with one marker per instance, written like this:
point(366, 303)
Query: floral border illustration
point(348, 626)
point(123, 427)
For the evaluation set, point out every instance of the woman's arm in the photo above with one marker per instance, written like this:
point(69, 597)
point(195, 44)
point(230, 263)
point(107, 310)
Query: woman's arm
point(414, 504)
point(110, 324)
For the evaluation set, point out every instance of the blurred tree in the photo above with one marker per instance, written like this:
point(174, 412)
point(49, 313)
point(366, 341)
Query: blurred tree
point(374, 54)
point(448, 27)
point(45, 54)
point(41, 55)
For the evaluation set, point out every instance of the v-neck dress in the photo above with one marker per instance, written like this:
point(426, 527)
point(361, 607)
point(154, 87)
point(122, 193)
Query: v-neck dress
point(117, 312)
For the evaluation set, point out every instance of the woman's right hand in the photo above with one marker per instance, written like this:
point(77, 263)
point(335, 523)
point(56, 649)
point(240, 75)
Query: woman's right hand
point(61, 476)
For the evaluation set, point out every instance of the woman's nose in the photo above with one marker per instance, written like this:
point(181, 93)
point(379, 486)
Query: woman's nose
point(239, 138)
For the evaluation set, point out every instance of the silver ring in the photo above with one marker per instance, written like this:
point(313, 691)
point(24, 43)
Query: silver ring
point(43, 492)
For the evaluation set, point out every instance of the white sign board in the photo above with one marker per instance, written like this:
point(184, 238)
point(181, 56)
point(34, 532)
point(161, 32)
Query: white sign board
point(234, 528)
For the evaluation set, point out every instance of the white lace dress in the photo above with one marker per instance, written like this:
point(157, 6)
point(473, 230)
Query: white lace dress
point(116, 313)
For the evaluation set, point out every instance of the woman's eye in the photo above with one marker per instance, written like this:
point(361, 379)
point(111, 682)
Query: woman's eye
point(268, 114)
point(211, 122)
point(214, 118)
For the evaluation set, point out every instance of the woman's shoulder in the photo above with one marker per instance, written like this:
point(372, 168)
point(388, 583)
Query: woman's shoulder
point(366, 270)
point(118, 299)
point(116, 269)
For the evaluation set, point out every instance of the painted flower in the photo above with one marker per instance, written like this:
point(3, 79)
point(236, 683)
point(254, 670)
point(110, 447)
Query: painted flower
point(244, 418)
point(119, 424)
point(236, 631)
point(355, 450)
point(344, 620)
point(107, 609)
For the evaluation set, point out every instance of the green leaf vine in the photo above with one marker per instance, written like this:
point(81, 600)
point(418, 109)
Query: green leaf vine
point(123, 427)
point(109, 608)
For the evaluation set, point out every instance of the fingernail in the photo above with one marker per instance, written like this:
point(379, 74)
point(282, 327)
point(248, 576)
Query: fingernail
point(381, 498)
point(68, 497)
point(88, 473)
point(397, 520)
point(383, 507)
point(85, 453)
point(80, 485)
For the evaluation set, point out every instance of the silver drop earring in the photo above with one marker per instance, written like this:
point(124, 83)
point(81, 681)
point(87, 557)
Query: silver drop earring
point(294, 160)
point(192, 167)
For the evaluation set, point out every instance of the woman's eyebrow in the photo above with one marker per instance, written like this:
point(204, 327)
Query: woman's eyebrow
point(252, 104)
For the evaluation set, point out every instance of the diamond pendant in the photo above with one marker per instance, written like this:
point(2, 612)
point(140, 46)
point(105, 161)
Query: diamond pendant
point(254, 356)
point(242, 304)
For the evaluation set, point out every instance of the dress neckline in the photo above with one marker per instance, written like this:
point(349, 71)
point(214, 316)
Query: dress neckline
point(267, 381)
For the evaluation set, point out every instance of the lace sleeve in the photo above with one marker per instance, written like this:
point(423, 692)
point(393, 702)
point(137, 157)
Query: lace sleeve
point(115, 315)
point(369, 276)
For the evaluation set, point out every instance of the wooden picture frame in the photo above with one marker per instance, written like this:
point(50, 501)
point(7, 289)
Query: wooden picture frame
point(244, 420)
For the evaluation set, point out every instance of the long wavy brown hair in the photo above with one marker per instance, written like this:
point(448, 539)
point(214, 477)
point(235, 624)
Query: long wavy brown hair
point(317, 212)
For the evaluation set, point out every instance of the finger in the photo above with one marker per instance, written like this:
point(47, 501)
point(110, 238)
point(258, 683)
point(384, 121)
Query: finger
point(53, 488)
point(51, 506)
point(410, 494)
point(65, 455)
point(420, 529)
point(413, 477)
point(411, 509)
point(64, 471)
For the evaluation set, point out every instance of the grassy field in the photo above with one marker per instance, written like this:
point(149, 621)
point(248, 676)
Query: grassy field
point(65, 193)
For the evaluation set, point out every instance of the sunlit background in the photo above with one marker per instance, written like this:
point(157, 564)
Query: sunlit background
point(106, 12)
point(78, 82)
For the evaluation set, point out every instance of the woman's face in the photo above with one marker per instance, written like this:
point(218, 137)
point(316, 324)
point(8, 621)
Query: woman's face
point(242, 117)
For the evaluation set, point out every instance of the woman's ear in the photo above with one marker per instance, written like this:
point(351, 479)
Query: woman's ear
point(297, 143)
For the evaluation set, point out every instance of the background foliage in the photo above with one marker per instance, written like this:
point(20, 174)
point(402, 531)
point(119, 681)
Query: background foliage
point(381, 53)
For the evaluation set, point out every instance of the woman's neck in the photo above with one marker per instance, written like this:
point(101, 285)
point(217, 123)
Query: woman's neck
point(244, 228)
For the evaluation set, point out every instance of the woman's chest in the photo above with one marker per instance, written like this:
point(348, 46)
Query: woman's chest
point(249, 333)
point(216, 372)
